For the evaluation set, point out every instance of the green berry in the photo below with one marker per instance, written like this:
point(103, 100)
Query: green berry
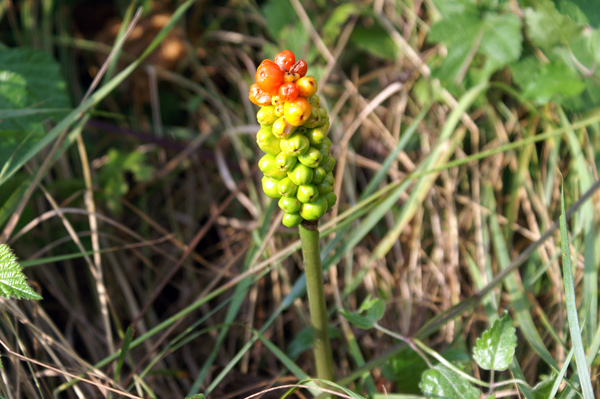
point(286, 187)
point(291, 219)
point(301, 174)
point(307, 193)
point(326, 186)
point(331, 200)
point(285, 162)
point(316, 135)
point(314, 210)
point(267, 165)
point(269, 186)
point(311, 158)
point(296, 145)
point(282, 129)
point(266, 115)
point(318, 175)
point(328, 163)
point(324, 146)
point(289, 204)
point(314, 101)
point(267, 142)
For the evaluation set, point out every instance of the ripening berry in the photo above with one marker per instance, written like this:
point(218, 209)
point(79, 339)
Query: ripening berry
point(288, 91)
point(285, 60)
point(269, 186)
point(316, 135)
point(314, 210)
point(266, 115)
point(279, 110)
point(307, 86)
point(267, 141)
point(259, 97)
point(297, 112)
point(269, 77)
point(291, 219)
point(282, 129)
point(299, 67)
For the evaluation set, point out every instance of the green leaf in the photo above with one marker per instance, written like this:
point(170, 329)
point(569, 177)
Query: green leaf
point(333, 26)
point(501, 42)
point(31, 92)
point(546, 27)
point(373, 309)
point(405, 369)
point(12, 279)
point(304, 340)
point(441, 382)
point(278, 14)
point(585, 12)
point(374, 40)
point(495, 348)
point(542, 83)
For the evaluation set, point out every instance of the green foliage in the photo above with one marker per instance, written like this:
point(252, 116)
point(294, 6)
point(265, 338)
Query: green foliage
point(405, 369)
point(495, 348)
point(32, 91)
point(373, 310)
point(304, 340)
point(442, 382)
point(12, 279)
point(546, 27)
point(375, 41)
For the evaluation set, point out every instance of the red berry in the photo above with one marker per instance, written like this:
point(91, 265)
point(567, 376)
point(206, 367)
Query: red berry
point(285, 60)
point(288, 91)
point(299, 67)
point(259, 97)
point(269, 77)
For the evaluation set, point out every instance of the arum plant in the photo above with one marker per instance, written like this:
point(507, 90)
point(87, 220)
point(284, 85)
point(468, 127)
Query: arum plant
point(297, 168)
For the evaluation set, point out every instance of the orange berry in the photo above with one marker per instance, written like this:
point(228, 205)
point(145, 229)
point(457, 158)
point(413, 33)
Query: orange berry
point(297, 111)
point(307, 86)
point(299, 67)
point(288, 91)
point(269, 77)
point(285, 59)
point(258, 97)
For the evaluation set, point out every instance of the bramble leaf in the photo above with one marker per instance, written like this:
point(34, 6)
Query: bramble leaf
point(12, 279)
point(495, 348)
point(441, 382)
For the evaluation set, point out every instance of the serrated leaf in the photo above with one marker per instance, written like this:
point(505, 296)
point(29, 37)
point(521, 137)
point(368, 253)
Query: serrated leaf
point(373, 310)
point(31, 92)
point(495, 349)
point(546, 27)
point(12, 279)
point(441, 382)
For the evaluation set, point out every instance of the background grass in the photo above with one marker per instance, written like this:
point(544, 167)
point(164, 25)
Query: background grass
point(138, 215)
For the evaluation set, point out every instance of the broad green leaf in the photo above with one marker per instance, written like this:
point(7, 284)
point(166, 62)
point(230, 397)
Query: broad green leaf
point(441, 382)
point(495, 348)
point(278, 14)
point(405, 369)
point(542, 83)
point(339, 16)
point(12, 279)
point(32, 91)
point(454, 7)
point(585, 12)
point(501, 41)
point(546, 27)
point(374, 40)
point(373, 310)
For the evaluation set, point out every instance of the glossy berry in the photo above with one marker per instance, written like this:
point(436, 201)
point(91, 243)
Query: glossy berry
point(291, 219)
point(307, 86)
point(324, 146)
point(285, 162)
point(331, 200)
point(266, 162)
point(267, 141)
point(299, 67)
point(289, 204)
point(279, 110)
point(289, 77)
point(307, 193)
point(282, 129)
point(276, 99)
point(287, 188)
point(288, 91)
point(328, 163)
point(269, 77)
point(326, 186)
point(269, 186)
point(295, 145)
point(266, 115)
point(285, 60)
point(301, 174)
point(318, 175)
point(297, 111)
point(314, 210)
point(259, 97)
point(311, 158)
point(316, 135)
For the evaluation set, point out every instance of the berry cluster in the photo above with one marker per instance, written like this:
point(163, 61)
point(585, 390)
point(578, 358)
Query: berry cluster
point(298, 165)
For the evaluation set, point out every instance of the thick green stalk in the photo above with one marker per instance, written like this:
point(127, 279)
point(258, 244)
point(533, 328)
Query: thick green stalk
point(309, 236)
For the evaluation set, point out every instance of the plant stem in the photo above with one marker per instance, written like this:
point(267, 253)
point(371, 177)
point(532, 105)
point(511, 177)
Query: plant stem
point(309, 237)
